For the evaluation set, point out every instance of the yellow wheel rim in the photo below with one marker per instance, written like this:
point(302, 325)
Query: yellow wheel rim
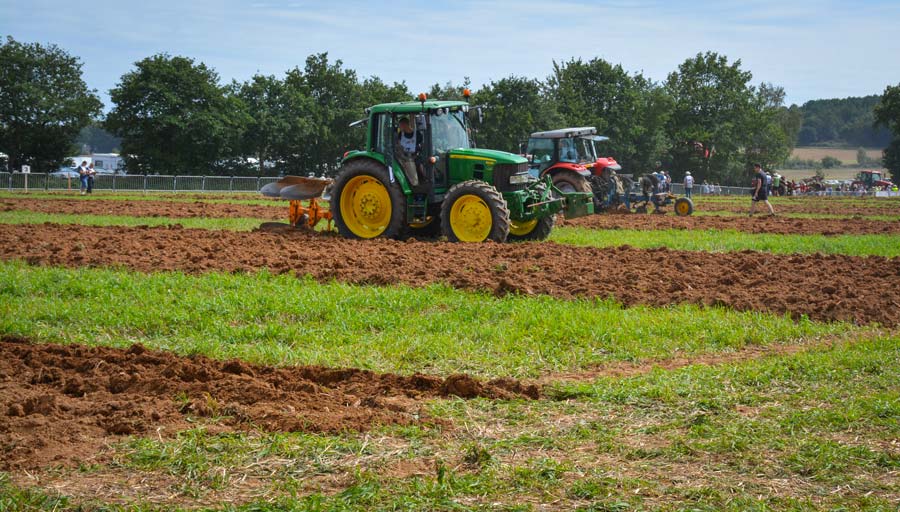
point(470, 219)
point(365, 206)
point(522, 228)
point(682, 208)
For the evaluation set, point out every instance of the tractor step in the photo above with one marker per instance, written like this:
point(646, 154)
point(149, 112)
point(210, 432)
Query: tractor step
point(417, 208)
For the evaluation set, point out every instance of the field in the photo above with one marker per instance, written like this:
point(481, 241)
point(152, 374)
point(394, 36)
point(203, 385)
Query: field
point(162, 352)
point(846, 156)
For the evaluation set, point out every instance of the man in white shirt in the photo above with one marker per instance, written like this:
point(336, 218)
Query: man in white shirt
point(688, 184)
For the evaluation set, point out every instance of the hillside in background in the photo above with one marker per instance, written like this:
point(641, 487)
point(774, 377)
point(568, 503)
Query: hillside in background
point(844, 122)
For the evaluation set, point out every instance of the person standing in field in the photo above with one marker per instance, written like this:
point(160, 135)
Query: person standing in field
point(83, 176)
point(688, 184)
point(760, 191)
point(90, 181)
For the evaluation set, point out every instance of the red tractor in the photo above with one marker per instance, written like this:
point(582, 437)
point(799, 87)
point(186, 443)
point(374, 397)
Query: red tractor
point(869, 180)
point(572, 159)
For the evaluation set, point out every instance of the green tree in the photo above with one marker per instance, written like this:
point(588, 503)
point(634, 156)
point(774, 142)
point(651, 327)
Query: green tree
point(448, 91)
point(887, 114)
point(720, 123)
point(830, 162)
point(514, 108)
point(97, 139)
point(844, 121)
point(336, 103)
point(174, 117)
point(277, 120)
point(631, 110)
point(44, 103)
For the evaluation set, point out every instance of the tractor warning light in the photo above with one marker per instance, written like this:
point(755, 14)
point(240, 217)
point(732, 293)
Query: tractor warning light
point(423, 97)
point(466, 93)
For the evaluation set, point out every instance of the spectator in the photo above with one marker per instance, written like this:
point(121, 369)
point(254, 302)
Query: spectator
point(760, 192)
point(90, 178)
point(83, 176)
point(688, 184)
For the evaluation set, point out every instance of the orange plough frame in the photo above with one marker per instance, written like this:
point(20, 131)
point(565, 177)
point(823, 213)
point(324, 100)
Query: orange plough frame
point(309, 215)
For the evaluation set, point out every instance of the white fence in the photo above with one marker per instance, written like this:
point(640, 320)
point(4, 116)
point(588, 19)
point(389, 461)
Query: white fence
point(140, 183)
point(135, 183)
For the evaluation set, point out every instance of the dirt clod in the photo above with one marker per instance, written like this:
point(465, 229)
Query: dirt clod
point(139, 391)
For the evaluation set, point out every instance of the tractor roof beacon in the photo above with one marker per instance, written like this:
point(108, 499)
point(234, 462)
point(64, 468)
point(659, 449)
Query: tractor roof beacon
point(445, 185)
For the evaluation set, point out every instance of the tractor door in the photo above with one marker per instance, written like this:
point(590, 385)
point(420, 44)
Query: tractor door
point(541, 151)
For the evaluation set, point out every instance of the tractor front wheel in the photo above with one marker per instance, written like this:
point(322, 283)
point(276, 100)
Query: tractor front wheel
point(474, 211)
point(534, 229)
point(684, 207)
point(365, 202)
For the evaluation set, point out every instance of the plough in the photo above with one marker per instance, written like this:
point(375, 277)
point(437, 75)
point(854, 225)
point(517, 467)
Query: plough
point(299, 190)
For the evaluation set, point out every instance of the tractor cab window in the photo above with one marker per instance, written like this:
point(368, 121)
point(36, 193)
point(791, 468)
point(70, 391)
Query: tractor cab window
point(541, 151)
point(448, 131)
point(588, 151)
point(568, 151)
point(383, 134)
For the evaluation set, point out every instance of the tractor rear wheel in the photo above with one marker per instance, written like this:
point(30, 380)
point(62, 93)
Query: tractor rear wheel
point(534, 229)
point(571, 181)
point(365, 202)
point(684, 207)
point(474, 211)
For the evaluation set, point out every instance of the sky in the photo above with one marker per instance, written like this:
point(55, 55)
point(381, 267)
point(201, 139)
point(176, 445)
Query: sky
point(814, 49)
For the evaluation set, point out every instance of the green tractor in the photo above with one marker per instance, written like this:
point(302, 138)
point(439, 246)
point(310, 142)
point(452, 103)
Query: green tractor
point(420, 176)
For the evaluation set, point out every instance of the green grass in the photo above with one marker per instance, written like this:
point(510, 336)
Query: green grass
point(809, 431)
point(729, 240)
point(281, 319)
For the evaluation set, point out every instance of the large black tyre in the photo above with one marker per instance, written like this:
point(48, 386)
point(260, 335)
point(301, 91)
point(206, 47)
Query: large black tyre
point(365, 203)
point(474, 211)
point(571, 181)
point(538, 229)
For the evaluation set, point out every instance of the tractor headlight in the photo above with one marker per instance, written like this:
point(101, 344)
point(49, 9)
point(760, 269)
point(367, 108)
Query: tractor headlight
point(518, 179)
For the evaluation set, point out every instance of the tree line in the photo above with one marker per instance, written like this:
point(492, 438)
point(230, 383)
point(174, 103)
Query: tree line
point(845, 122)
point(174, 115)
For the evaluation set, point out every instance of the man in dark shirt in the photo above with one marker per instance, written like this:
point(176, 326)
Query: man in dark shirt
point(760, 192)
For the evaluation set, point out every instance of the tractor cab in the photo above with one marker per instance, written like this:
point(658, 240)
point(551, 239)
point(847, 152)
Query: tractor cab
point(571, 147)
point(871, 179)
point(570, 156)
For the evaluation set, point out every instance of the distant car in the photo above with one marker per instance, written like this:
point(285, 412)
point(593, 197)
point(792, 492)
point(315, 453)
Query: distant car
point(65, 172)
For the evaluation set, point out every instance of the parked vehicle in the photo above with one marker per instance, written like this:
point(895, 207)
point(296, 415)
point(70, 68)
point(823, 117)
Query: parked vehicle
point(65, 173)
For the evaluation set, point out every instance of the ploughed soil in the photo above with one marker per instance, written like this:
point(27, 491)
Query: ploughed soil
point(819, 205)
point(824, 287)
point(62, 403)
point(760, 223)
point(278, 210)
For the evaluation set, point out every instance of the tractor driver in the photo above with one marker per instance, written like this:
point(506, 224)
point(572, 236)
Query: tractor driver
point(409, 143)
point(567, 152)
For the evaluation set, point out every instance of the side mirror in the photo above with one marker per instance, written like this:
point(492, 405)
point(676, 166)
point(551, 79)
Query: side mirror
point(480, 111)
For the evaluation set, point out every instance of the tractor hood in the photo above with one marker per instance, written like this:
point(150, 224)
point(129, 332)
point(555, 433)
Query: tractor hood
point(498, 157)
